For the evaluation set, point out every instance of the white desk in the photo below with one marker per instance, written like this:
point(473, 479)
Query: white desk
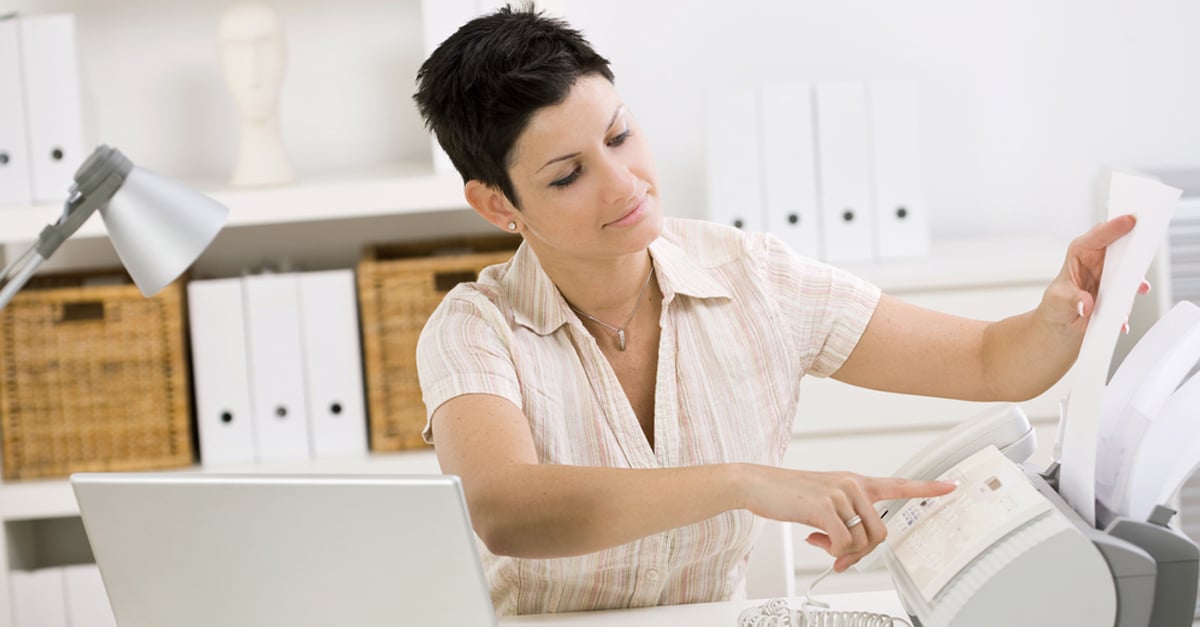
point(704, 614)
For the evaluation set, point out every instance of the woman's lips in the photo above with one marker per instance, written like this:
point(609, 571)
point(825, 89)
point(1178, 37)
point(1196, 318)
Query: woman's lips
point(633, 216)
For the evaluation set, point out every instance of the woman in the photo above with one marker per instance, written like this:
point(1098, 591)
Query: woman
point(617, 396)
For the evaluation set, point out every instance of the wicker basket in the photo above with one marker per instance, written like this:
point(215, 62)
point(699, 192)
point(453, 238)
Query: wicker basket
point(399, 286)
point(93, 378)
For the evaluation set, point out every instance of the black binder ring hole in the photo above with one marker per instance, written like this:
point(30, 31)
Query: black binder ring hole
point(226, 417)
point(3, 158)
point(848, 215)
point(738, 223)
point(56, 154)
point(281, 411)
point(793, 218)
point(335, 409)
point(901, 213)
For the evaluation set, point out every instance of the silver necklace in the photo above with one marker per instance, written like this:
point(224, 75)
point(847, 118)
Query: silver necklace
point(620, 331)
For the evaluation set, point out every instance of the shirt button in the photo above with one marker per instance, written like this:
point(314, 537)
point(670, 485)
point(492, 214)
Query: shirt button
point(652, 576)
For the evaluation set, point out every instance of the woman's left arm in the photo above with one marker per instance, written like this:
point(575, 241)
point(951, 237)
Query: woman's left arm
point(912, 350)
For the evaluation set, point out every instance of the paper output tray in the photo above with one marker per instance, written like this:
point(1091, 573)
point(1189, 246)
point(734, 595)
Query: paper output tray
point(1176, 559)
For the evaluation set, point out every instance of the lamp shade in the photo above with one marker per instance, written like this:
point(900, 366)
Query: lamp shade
point(159, 227)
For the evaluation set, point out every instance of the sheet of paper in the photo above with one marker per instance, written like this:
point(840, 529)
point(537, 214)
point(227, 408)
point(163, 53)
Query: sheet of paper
point(1136, 395)
point(1125, 265)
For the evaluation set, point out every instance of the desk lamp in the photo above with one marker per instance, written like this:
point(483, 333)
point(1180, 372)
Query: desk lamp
point(158, 226)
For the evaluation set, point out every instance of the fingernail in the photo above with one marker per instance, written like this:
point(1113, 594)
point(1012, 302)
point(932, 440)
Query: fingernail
point(1079, 308)
point(1148, 286)
point(1125, 328)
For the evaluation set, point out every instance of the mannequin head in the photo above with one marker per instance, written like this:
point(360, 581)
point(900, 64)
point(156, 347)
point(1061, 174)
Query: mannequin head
point(251, 45)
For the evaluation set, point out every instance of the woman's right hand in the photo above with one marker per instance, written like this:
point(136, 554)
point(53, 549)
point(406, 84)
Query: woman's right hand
point(828, 501)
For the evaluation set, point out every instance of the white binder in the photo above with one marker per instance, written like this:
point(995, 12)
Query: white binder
point(14, 148)
point(789, 166)
point(734, 163)
point(219, 368)
point(901, 214)
point(271, 305)
point(333, 363)
point(86, 598)
point(844, 171)
point(50, 69)
point(37, 598)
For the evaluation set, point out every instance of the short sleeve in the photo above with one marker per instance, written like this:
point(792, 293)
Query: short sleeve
point(465, 348)
point(823, 309)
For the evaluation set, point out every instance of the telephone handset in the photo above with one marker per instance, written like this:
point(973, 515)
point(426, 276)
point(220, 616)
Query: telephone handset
point(1006, 427)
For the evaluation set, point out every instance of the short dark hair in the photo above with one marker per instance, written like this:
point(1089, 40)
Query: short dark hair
point(480, 87)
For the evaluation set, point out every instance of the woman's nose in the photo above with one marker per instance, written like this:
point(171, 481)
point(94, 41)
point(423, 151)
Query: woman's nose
point(621, 181)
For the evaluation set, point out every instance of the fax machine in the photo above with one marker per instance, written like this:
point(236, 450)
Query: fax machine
point(1007, 548)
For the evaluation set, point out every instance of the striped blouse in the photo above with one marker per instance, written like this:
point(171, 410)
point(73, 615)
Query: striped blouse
point(743, 319)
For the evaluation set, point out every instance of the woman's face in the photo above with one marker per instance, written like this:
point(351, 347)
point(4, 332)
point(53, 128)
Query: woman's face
point(585, 178)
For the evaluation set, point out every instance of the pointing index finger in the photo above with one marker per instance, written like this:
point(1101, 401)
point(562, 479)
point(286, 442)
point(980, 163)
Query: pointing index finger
point(897, 488)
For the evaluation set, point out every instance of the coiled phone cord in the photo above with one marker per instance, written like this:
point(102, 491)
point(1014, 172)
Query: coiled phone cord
point(812, 613)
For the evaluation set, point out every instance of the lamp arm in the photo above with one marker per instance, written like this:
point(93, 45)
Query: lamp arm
point(17, 262)
point(77, 210)
point(24, 267)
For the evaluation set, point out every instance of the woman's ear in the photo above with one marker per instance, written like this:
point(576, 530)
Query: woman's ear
point(491, 204)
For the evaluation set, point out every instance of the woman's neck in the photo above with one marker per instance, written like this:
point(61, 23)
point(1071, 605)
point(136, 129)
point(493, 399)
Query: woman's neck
point(607, 290)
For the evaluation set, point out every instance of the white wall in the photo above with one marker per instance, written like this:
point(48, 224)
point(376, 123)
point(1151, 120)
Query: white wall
point(1024, 100)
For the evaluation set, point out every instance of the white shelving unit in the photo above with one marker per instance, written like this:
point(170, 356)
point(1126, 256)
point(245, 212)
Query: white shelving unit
point(405, 189)
point(152, 88)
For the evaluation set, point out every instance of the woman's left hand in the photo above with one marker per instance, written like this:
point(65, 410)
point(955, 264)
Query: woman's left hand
point(1069, 301)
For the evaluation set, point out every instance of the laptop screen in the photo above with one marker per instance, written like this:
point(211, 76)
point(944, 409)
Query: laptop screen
point(252, 550)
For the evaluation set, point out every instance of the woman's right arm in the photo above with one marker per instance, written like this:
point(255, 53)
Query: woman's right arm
point(521, 508)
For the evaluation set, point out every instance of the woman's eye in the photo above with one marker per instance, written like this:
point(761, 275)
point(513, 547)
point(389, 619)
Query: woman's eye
point(619, 139)
point(566, 180)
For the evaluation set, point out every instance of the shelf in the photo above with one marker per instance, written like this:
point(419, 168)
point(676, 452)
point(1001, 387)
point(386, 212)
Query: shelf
point(406, 188)
point(968, 263)
point(53, 498)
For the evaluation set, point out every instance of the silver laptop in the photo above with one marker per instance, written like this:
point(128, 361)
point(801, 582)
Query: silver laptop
point(210, 550)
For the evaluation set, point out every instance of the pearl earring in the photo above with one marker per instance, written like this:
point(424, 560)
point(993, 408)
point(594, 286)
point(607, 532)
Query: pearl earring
point(512, 226)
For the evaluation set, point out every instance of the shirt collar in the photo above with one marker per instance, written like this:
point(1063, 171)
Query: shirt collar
point(538, 305)
point(681, 273)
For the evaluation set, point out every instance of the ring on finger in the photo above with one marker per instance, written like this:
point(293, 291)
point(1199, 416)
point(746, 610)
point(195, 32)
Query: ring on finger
point(851, 522)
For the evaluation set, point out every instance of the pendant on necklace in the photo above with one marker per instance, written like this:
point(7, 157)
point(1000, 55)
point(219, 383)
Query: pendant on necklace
point(621, 338)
